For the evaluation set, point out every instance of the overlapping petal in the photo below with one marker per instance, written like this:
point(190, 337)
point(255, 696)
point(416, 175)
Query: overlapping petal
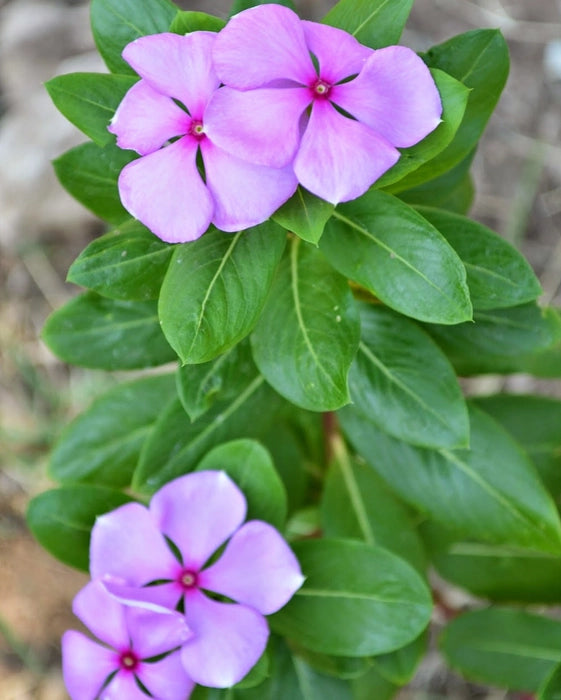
point(260, 45)
point(244, 195)
point(111, 627)
point(155, 633)
point(198, 513)
point(228, 640)
point(85, 665)
point(340, 158)
point(164, 596)
point(257, 568)
point(339, 54)
point(176, 66)
point(164, 191)
point(166, 679)
point(123, 687)
point(395, 95)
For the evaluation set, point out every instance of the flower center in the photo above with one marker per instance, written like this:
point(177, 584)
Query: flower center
point(129, 660)
point(320, 88)
point(197, 129)
point(188, 580)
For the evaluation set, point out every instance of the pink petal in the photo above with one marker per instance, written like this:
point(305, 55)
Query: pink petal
point(244, 194)
point(111, 627)
point(260, 126)
point(155, 633)
point(263, 44)
point(340, 158)
point(166, 679)
point(159, 598)
point(228, 641)
point(339, 54)
point(164, 191)
point(123, 687)
point(126, 543)
point(85, 665)
point(146, 119)
point(177, 66)
point(257, 568)
point(198, 512)
point(394, 95)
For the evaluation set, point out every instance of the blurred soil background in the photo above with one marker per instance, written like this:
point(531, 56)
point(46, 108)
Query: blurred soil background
point(518, 175)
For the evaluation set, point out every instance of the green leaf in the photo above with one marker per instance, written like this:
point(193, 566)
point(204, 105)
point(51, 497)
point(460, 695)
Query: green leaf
point(551, 689)
point(305, 215)
point(176, 445)
point(308, 334)
point(399, 666)
point(454, 96)
point(387, 247)
point(489, 492)
point(500, 340)
point(102, 445)
point(90, 173)
point(186, 22)
point(357, 600)
point(373, 685)
point(89, 100)
point(498, 276)
point(346, 667)
point(91, 331)
point(534, 421)
point(357, 504)
point(128, 263)
point(240, 5)
point(115, 23)
point(61, 519)
point(405, 384)
point(508, 648)
point(375, 23)
point(250, 465)
point(479, 60)
point(215, 289)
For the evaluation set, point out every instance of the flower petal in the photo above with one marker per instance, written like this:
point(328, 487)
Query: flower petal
point(111, 627)
point(126, 543)
point(257, 568)
point(146, 119)
point(155, 633)
point(260, 126)
point(263, 44)
point(177, 66)
point(164, 191)
point(339, 54)
point(85, 665)
point(228, 641)
point(394, 95)
point(244, 194)
point(198, 512)
point(123, 687)
point(160, 598)
point(340, 158)
point(166, 679)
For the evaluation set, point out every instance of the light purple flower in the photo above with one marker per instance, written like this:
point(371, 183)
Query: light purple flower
point(199, 512)
point(164, 189)
point(279, 108)
point(133, 635)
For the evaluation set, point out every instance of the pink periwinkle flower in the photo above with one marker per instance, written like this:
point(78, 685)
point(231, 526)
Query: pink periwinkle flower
point(164, 118)
point(310, 94)
point(132, 636)
point(198, 513)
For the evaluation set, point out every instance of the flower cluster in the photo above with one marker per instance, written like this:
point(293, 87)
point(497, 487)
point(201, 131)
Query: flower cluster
point(171, 612)
point(228, 124)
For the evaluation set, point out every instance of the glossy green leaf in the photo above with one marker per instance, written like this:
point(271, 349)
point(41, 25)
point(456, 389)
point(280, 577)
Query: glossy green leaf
point(373, 685)
point(61, 519)
point(346, 667)
point(102, 445)
point(489, 492)
point(215, 289)
point(387, 247)
point(99, 333)
point(405, 384)
point(89, 100)
point(399, 666)
point(509, 648)
point(357, 600)
point(129, 263)
point(551, 688)
point(498, 275)
point(90, 173)
point(305, 215)
point(240, 5)
point(375, 23)
point(115, 23)
point(250, 465)
point(357, 504)
point(186, 22)
point(308, 334)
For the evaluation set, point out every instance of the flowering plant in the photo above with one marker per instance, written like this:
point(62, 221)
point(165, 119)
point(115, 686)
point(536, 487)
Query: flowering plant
point(289, 208)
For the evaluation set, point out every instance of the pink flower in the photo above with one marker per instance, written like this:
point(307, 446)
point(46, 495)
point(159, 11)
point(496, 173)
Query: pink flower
point(340, 133)
point(134, 635)
point(199, 512)
point(164, 189)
